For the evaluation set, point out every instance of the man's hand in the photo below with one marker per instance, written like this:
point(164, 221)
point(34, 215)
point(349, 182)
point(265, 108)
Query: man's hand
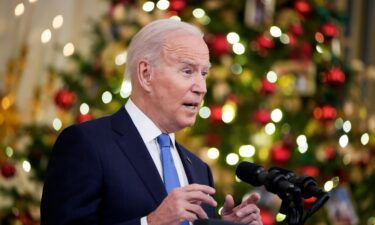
point(183, 204)
point(246, 213)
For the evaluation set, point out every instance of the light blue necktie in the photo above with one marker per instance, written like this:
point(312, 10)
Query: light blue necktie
point(169, 170)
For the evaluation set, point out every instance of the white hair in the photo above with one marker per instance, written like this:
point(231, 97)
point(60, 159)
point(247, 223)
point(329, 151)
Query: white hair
point(147, 43)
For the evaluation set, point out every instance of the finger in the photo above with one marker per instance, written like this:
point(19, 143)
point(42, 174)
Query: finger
point(197, 210)
point(248, 209)
point(199, 196)
point(253, 198)
point(228, 204)
point(199, 187)
point(189, 216)
point(249, 219)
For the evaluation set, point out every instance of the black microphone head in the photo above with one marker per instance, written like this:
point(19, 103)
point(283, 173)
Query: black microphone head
point(251, 173)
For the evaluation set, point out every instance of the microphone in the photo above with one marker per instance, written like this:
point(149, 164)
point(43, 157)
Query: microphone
point(274, 181)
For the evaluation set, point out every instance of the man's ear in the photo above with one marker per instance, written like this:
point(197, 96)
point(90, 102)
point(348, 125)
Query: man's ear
point(144, 74)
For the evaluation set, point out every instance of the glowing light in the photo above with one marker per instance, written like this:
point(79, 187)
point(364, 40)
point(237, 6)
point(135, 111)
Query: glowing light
point(247, 151)
point(270, 128)
point(328, 186)
point(280, 217)
point(344, 140)
point(229, 112)
point(162, 4)
point(32, 1)
point(319, 49)
point(275, 31)
point(347, 159)
point(57, 124)
point(365, 138)
point(57, 22)
point(347, 126)
point(199, 13)
point(301, 140)
point(84, 108)
point(303, 148)
point(121, 58)
point(237, 179)
point(68, 49)
point(338, 123)
point(204, 20)
point(232, 159)
point(238, 48)
point(126, 89)
point(6, 102)
point(46, 36)
point(106, 97)
point(148, 6)
point(26, 166)
point(204, 112)
point(276, 115)
point(233, 37)
point(220, 209)
point(9, 151)
point(175, 18)
point(20, 8)
point(213, 153)
point(284, 38)
point(271, 76)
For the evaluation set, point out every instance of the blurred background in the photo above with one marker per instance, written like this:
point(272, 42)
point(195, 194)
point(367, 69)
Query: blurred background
point(292, 85)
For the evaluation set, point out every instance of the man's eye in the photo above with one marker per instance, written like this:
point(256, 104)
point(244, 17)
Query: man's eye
point(188, 71)
point(204, 74)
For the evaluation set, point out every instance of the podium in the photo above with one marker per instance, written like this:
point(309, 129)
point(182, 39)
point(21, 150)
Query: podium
point(213, 222)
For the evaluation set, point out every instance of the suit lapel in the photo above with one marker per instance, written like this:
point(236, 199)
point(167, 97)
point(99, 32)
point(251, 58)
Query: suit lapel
point(136, 151)
point(188, 164)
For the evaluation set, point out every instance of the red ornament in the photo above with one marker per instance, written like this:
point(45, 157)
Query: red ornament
point(296, 29)
point(212, 139)
point(216, 113)
point(267, 87)
point(325, 113)
point(265, 42)
point(219, 45)
point(8, 170)
point(330, 152)
point(177, 5)
point(262, 116)
point(65, 99)
point(330, 30)
point(280, 154)
point(309, 170)
point(267, 217)
point(83, 118)
point(302, 6)
point(302, 51)
point(334, 77)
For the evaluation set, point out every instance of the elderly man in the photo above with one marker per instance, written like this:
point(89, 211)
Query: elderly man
point(127, 168)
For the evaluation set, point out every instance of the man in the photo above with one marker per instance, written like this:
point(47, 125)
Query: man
point(127, 168)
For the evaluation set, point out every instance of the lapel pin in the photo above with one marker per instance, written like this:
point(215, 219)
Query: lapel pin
point(188, 159)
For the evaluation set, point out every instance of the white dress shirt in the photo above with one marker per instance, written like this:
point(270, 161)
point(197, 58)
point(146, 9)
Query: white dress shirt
point(149, 132)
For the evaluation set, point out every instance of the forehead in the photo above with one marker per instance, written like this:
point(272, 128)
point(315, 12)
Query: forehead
point(186, 48)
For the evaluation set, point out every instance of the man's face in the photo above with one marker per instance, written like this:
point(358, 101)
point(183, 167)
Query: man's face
point(179, 82)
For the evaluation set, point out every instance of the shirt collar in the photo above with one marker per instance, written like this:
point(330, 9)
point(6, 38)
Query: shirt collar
point(145, 126)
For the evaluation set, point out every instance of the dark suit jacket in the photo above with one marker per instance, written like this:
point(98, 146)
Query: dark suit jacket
point(100, 172)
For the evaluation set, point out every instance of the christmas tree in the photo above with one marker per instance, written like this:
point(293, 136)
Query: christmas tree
point(279, 94)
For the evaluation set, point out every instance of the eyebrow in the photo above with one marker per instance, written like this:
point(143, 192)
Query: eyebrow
point(191, 63)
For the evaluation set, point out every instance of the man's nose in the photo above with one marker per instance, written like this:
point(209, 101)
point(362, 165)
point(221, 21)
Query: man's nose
point(199, 86)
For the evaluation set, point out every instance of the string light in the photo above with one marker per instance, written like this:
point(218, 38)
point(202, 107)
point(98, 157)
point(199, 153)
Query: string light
point(57, 124)
point(175, 18)
point(284, 38)
point(148, 6)
point(238, 48)
point(280, 217)
point(19, 10)
point(26, 166)
point(162, 4)
point(347, 126)
point(247, 151)
point(9, 151)
point(205, 20)
point(204, 112)
point(233, 37)
point(106, 97)
point(236, 69)
point(365, 138)
point(32, 1)
point(275, 31)
point(126, 88)
point(57, 22)
point(46, 36)
point(229, 112)
point(338, 123)
point(121, 58)
point(199, 13)
point(276, 115)
point(213, 153)
point(343, 141)
point(303, 148)
point(271, 76)
point(328, 186)
point(68, 49)
point(232, 159)
point(84, 108)
point(270, 128)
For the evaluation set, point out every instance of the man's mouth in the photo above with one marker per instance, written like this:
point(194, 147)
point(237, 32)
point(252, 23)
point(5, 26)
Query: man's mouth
point(192, 105)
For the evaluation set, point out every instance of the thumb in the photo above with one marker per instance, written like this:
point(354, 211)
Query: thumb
point(228, 204)
point(253, 198)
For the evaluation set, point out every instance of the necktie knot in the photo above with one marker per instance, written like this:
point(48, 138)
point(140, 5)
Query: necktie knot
point(164, 140)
